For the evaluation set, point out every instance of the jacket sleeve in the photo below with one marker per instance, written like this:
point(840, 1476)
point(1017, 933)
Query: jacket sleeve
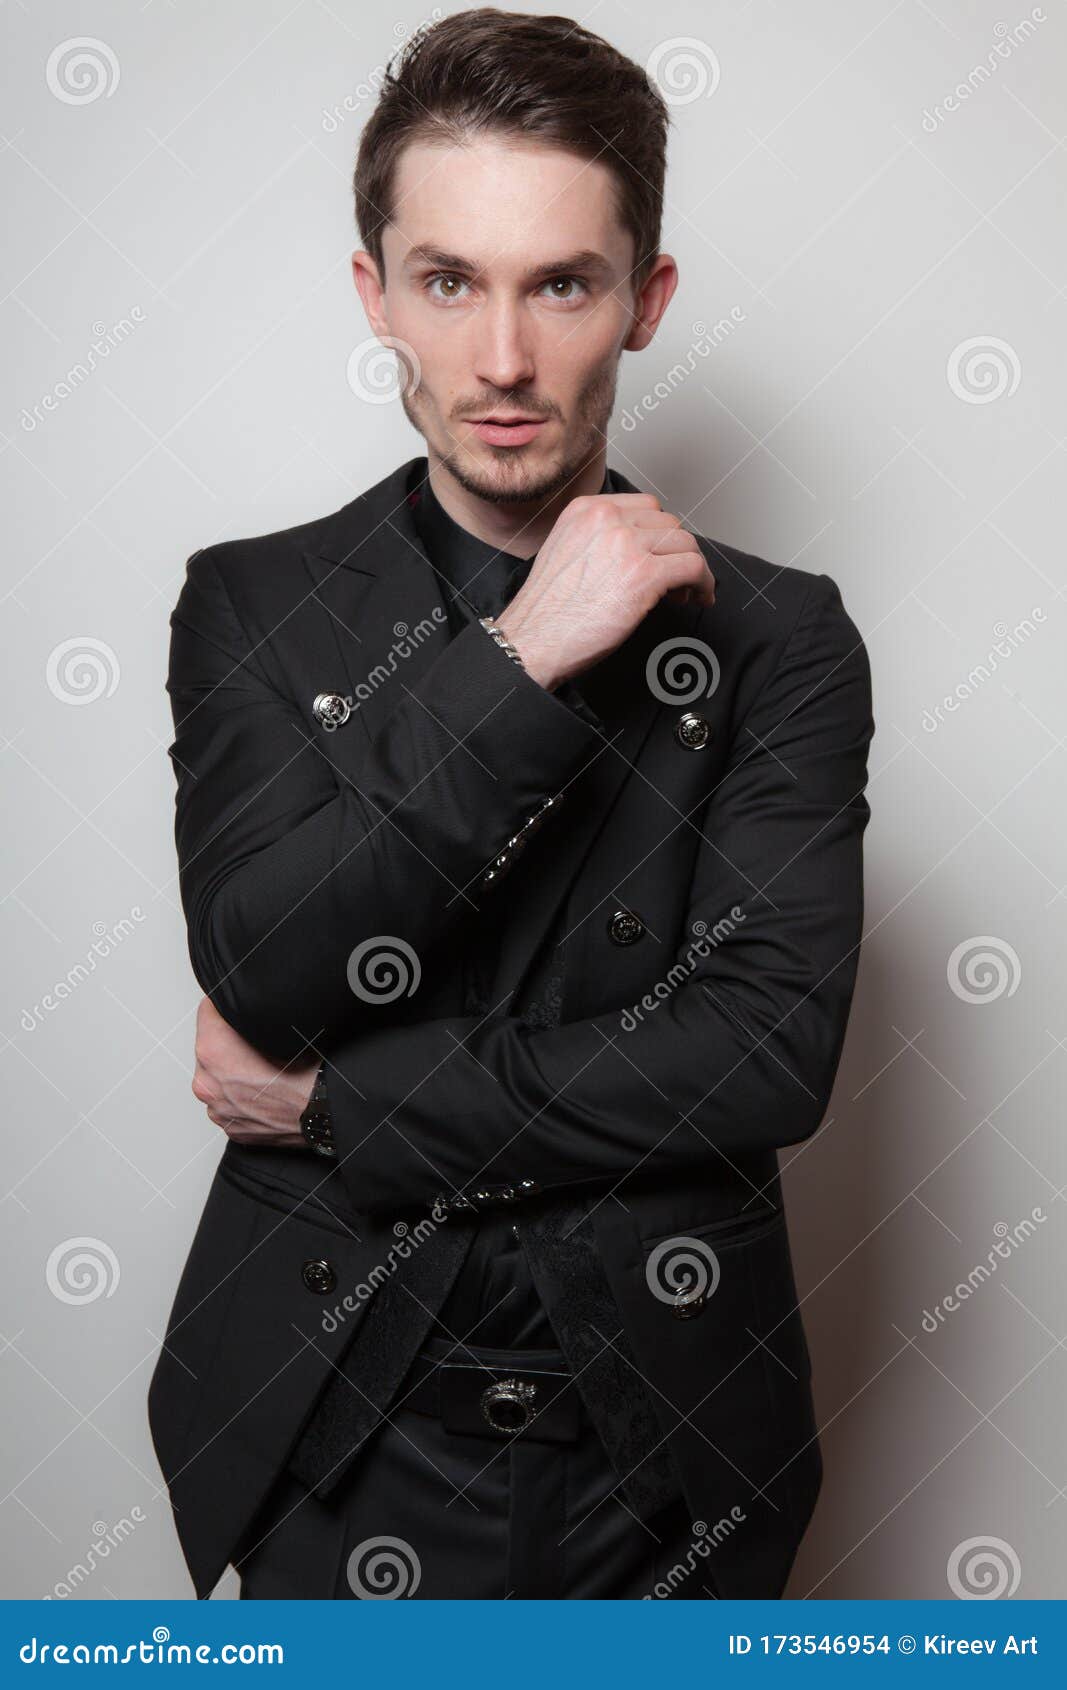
point(285, 868)
point(736, 1048)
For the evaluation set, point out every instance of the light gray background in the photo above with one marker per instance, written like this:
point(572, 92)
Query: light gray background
point(203, 201)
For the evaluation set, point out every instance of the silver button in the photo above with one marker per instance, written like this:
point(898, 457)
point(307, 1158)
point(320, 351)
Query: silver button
point(693, 731)
point(331, 709)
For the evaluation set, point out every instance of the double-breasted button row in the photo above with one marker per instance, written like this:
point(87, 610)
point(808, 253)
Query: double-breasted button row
point(487, 1197)
point(506, 855)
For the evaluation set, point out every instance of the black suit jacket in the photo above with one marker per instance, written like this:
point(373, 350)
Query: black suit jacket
point(684, 1059)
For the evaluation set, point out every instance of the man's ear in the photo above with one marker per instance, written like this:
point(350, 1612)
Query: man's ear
point(652, 302)
point(370, 286)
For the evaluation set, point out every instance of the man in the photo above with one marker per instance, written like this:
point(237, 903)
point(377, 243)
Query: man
point(519, 835)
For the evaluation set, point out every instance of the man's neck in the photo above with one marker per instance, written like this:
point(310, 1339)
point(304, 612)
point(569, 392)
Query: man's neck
point(520, 528)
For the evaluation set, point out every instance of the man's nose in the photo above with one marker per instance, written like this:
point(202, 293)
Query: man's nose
point(503, 354)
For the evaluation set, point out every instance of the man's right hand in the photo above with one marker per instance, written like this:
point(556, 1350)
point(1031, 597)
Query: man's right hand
point(607, 562)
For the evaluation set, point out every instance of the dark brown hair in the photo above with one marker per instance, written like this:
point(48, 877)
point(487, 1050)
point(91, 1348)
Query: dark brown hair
point(513, 73)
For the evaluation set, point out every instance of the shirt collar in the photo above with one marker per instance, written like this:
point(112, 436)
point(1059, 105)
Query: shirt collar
point(478, 579)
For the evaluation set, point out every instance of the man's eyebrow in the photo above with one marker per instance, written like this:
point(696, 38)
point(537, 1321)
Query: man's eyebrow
point(585, 260)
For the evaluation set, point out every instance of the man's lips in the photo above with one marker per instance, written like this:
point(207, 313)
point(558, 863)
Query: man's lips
point(504, 431)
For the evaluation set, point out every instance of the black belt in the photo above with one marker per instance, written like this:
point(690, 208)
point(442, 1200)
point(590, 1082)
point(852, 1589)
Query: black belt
point(496, 1402)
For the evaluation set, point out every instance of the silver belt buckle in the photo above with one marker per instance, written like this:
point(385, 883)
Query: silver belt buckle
point(508, 1405)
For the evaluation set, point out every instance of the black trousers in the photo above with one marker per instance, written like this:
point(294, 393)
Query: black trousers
point(430, 1512)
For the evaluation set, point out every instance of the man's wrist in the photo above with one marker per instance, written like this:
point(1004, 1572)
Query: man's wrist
point(541, 670)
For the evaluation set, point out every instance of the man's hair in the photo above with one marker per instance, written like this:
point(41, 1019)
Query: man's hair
point(531, 78)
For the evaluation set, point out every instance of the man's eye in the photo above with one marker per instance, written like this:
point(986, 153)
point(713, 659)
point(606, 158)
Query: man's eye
point(450, 287)
point(566, 288)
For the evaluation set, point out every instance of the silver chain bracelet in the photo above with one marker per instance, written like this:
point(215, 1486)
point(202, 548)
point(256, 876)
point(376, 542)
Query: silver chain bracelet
point(501, 639)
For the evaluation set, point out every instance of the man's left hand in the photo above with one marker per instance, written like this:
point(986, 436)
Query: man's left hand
point(246, 1095)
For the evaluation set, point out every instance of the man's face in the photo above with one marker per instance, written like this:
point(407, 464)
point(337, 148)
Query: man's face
point(507, 271)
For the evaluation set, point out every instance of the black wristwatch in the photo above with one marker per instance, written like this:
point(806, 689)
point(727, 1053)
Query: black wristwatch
point(316, 1122)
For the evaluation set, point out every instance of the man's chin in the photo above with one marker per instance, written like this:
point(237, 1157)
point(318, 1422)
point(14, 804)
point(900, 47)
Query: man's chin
point(510, 474)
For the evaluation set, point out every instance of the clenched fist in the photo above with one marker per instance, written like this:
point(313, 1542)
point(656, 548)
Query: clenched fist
point(606, 563)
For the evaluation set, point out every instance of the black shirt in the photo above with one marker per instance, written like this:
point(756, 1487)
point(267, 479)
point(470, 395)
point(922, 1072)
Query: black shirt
point(493, 1300)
